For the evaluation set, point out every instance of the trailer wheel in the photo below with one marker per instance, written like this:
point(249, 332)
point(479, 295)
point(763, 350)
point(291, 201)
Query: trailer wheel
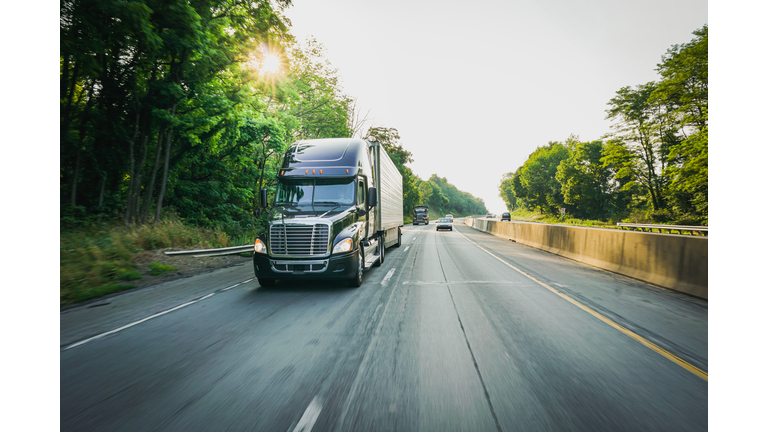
point(358, 279)
point(399, 238)
point(266, 282)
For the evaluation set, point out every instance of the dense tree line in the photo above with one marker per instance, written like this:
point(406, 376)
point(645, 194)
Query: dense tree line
point(173, 103)
point(179, 106)
point(654, 162)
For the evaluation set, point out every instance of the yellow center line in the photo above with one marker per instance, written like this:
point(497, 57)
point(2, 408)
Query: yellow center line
point(661, 351)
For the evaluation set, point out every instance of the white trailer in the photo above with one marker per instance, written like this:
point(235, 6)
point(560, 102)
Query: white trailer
point(389, 196)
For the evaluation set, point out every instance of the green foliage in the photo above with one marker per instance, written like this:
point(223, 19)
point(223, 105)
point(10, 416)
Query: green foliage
point(507, 193)
point(163, 105)
point(536, 182)
point(444, 198)
point(588, 185)
point(127, 275)
point(158, 268)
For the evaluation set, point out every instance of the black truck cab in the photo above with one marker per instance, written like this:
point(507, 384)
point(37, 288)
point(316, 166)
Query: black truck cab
point(323, 223)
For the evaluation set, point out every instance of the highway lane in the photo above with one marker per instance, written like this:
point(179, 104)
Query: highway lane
point(443, 336)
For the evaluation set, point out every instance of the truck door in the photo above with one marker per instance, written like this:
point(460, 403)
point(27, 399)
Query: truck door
point(361, 197)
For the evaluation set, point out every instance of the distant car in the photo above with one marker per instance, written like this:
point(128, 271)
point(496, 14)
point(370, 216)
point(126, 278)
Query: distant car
point(449, 216)
point(444, 223)
point(506, 216)
point(489, 215)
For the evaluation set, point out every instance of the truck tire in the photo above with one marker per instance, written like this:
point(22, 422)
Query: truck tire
point(399, 238)
point(380, 261)
point(266, 282)
point(357, 280)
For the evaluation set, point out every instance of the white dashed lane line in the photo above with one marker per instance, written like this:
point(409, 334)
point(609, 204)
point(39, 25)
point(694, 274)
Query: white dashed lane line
point(310, 416)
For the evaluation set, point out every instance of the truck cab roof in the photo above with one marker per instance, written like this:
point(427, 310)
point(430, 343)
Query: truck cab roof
point(330, 157)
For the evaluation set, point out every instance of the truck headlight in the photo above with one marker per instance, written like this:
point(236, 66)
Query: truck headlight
point(259, 247)
point(343, 246)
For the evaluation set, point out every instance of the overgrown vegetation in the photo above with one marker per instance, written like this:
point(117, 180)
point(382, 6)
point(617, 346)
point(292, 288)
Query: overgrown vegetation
point(159, 268)
point(95, 261)
point(654, 162)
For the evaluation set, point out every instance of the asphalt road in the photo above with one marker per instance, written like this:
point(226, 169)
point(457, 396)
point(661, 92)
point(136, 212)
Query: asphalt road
point(443, 336)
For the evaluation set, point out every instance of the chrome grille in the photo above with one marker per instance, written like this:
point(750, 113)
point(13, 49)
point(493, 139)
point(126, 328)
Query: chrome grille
point(299, 240)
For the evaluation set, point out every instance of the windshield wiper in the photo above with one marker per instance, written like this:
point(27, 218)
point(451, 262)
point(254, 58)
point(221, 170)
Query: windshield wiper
point(327, 203)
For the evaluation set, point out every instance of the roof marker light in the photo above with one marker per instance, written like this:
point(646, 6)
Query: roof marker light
point(313, 171)
point(347, 171)
point(321, 171)
point(306, 171)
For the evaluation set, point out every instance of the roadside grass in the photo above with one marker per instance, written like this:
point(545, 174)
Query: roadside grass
point(534, 216)
point(98, 260)
point(159, 268)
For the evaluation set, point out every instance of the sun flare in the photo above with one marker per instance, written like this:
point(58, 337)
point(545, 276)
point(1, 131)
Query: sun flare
point(269, 64)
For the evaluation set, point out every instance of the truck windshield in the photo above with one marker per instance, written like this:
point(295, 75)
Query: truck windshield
point(330, 192)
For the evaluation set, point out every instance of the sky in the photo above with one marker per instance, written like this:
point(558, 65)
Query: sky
point(473, 88)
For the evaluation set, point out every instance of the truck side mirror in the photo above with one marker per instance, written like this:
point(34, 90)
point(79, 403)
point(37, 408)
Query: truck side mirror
point(263, 198)
point(372, 197)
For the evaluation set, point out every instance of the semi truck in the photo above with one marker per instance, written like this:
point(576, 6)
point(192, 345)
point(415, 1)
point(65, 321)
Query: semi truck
point(337, 206)
point(421, 215)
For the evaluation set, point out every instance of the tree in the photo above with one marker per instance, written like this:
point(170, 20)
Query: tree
point(537, 182)
point(638, 145)
point(683, 90)
point(313, 95)
point(586, 183)
point(506, 192)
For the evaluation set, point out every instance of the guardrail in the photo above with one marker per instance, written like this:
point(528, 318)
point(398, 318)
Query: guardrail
point(214, 252)
point(670, 228)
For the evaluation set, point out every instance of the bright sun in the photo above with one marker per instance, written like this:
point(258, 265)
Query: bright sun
point(270, 64)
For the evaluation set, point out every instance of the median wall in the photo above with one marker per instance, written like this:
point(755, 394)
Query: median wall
point(672, 261)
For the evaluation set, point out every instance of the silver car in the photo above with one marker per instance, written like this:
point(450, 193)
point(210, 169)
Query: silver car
point(444, 223)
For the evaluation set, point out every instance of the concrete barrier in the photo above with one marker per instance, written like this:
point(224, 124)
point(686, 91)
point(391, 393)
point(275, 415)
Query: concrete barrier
point(671, 261)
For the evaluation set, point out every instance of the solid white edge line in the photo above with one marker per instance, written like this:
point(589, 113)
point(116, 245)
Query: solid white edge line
point(119, 329)
point(309, 417)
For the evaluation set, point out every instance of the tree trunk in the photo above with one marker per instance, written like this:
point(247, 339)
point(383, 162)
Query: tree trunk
point(164, 180)
point(151, 183)
point(75, 175)
point(131, 144)
point(101, 195)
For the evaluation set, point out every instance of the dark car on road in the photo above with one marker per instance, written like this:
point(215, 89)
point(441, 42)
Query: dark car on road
point(506, 216)
point(444, 223)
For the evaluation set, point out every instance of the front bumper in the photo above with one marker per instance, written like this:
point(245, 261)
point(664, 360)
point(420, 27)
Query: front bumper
point(341, 266)
point(447, 226)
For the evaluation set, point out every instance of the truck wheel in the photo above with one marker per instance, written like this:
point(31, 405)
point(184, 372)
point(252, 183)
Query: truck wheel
point(358, 279)
point(399, 238)
point(266, 282)
point(380, 261)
